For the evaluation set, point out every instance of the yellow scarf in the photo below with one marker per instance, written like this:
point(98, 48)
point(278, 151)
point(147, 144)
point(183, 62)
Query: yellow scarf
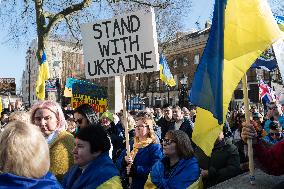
point(137, 145)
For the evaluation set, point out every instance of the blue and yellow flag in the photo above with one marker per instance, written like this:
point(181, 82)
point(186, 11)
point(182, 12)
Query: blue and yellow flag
point(165, 72)
point(241, 30)
point(43, 75)
point(280, 22)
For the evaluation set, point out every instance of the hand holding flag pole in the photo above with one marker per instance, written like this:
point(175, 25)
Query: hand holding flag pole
point(249, 141)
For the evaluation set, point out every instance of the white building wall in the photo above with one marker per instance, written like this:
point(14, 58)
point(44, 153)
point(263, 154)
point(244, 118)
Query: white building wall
point(54, 58)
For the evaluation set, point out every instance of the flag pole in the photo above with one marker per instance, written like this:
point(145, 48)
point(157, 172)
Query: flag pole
point(249, 141)
point(124, 119)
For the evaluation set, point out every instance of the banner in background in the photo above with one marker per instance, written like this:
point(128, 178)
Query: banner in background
point(8, 85)
point(89, 93)
point(50, 85)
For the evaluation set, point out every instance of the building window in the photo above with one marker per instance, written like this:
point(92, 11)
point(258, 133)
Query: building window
point(175, 63)
point(157, 84)
point(196, 59)
point(176, 80)
point(185, 61)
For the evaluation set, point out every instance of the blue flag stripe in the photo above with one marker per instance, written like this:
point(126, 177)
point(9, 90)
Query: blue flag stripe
point(207, 86)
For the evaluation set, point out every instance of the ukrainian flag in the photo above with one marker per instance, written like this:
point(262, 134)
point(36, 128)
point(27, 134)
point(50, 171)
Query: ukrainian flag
point(280, 22)
point(241, 30)
point(165, 72)
point(43, 75)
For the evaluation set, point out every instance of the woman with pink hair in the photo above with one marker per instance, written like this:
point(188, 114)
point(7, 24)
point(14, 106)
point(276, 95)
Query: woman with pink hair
point(49, 117)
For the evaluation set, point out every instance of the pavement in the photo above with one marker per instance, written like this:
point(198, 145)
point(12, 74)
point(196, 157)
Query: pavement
point(263, 181)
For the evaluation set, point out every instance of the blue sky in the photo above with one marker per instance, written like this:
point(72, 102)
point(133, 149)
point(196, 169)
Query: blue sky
point(13, 60)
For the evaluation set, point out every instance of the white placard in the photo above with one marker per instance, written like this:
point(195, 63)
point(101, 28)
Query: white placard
point(278, 48)
point(122, 45)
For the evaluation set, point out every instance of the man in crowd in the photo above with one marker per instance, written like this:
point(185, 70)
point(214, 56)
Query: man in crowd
point(158, 114)
point(167, 122)
point(274, 114)
point(181, 123)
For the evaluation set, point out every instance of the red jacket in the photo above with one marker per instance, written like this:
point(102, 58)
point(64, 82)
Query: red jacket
point(271, 158)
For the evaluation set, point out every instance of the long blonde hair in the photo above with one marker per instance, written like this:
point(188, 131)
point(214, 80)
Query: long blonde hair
point(23, 150)
point(149, 122)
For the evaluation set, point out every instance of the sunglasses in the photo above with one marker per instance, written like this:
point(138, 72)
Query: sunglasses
point(79, 121)
point(168, 141)
point(275, 134)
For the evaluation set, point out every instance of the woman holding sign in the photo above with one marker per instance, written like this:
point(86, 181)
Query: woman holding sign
point(145, 152)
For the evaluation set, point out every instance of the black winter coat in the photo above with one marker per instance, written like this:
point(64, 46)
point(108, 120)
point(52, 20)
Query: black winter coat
point(223, 164)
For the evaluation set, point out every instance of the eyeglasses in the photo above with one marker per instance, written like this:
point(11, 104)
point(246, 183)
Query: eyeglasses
point(275, 134)
point(142, 126)
point(272, 108)
point(168, 141)
point(79, 121)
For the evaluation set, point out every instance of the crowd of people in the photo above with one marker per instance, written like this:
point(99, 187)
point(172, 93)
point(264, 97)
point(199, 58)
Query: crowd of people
point(53, 147)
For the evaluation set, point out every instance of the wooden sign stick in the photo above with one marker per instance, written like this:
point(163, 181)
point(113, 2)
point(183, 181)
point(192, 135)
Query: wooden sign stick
point(249, 141)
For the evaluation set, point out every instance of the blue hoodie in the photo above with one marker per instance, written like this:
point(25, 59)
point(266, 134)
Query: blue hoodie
point(11, 181)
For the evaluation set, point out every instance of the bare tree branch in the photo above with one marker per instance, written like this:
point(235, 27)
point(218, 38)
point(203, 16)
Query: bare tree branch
point(70, 29)
point(66, 12)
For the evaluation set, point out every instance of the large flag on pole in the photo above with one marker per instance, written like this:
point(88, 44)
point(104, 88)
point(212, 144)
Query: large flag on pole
point(165, 72)
point(43, 75)
point(241, 30)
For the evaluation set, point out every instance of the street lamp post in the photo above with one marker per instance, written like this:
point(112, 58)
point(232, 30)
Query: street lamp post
point(29, 72)
point(182, 101)
point(168, 88)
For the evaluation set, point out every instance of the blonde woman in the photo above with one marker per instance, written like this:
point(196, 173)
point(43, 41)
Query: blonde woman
point(20, 116)
point(24, 158)
point(49, 117)
point(145, 151)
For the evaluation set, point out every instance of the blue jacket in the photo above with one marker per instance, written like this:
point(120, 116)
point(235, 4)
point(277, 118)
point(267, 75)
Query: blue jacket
point(142, 164)
point(10, 181)
point(267, 122)
point(100, 171)
point(181, 176)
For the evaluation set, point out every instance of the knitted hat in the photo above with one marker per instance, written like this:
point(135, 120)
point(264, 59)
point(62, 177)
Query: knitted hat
point(108, 115)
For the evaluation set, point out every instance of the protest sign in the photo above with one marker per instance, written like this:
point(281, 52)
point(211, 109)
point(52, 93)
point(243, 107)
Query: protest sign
point(89, 93)
point(8, 86)
point(122, 45)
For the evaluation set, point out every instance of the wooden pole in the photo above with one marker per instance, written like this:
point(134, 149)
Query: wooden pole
point(249, 141)
point(124, 119)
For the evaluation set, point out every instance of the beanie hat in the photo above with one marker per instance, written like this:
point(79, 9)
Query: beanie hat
point(108, 115)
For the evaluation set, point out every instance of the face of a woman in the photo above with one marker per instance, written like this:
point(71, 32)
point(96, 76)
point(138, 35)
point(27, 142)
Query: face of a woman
point(141, 129)
point(80, 120)
point(82, 153)
point(169, 147)
point(46, 120)
point(105, 122)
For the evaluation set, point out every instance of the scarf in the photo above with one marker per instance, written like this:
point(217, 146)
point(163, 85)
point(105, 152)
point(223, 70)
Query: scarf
point(138, 145)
